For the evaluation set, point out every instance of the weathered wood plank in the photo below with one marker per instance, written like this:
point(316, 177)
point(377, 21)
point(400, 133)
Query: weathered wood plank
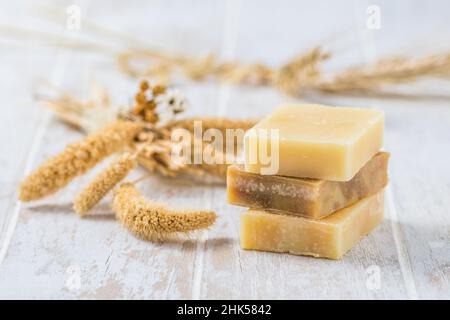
point(419, 138)
point(54, 254)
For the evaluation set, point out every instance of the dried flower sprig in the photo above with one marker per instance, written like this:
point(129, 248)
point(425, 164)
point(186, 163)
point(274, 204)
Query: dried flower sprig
point(77, 159)
point(153, 221)
point(104, 182)
point(157, 104)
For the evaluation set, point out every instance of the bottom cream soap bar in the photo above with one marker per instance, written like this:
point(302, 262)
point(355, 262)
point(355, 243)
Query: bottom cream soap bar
point(330, 237)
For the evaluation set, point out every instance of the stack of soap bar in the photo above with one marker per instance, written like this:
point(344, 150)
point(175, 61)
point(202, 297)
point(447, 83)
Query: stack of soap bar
point(311, 198)
point(329, 237)
point(327, 191)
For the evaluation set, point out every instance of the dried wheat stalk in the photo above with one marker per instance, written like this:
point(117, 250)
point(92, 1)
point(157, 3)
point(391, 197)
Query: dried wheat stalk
point(300, 74)
point(153, 221)
point(386, 72)
point(303, 69)
point(296, 76)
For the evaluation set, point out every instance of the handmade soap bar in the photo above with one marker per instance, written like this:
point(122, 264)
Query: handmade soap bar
point(330, 237)
point(305, 197)
point(313, 141)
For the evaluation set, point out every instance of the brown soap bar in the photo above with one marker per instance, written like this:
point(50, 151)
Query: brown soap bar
point(330, 237)
point(309, 198)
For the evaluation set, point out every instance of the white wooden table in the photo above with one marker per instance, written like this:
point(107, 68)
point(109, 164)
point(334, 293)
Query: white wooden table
point(46, 251)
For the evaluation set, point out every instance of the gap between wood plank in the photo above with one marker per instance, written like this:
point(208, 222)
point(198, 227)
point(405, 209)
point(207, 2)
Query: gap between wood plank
point(200, 248)
point(402, 251)
point(62, 61)
point(231, 32)
point(230, 37)
point(369, 54)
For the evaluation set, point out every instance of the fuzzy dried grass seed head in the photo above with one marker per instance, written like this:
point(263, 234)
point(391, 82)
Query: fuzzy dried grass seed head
point(152, 221)
point(78, 158)
point(103, 183)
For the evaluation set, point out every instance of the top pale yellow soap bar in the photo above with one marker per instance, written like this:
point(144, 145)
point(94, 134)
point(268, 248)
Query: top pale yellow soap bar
point(314, 141)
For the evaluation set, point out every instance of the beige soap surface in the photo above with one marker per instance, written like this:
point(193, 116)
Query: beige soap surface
point(321, 142)
point(330, 237)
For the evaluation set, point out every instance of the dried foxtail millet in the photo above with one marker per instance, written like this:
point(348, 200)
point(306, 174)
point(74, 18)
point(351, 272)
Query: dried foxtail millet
point(102, 183)
point(78, 158)
point(153, 221)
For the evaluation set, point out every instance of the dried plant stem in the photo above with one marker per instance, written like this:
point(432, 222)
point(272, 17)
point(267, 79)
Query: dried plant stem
point(300, 74)
point(212, 123)
point(103, 183)
point(52, 39)
point(301, 70)
point(221, 124)
point(385, 72)
point(78, 158)
point(152, 221)
point(157, 141)
point(142, 178)
point(218, 170)
point(296, 76)
point(88, 115)
point(156, 157)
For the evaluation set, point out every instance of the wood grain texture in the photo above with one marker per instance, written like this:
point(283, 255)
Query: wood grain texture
point(51, 253)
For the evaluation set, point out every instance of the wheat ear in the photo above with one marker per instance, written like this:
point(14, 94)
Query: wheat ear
point(107, 179)
point(77, 158)
point(152, 221)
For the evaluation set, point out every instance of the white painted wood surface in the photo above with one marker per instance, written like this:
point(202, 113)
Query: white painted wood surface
point(46, 251)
